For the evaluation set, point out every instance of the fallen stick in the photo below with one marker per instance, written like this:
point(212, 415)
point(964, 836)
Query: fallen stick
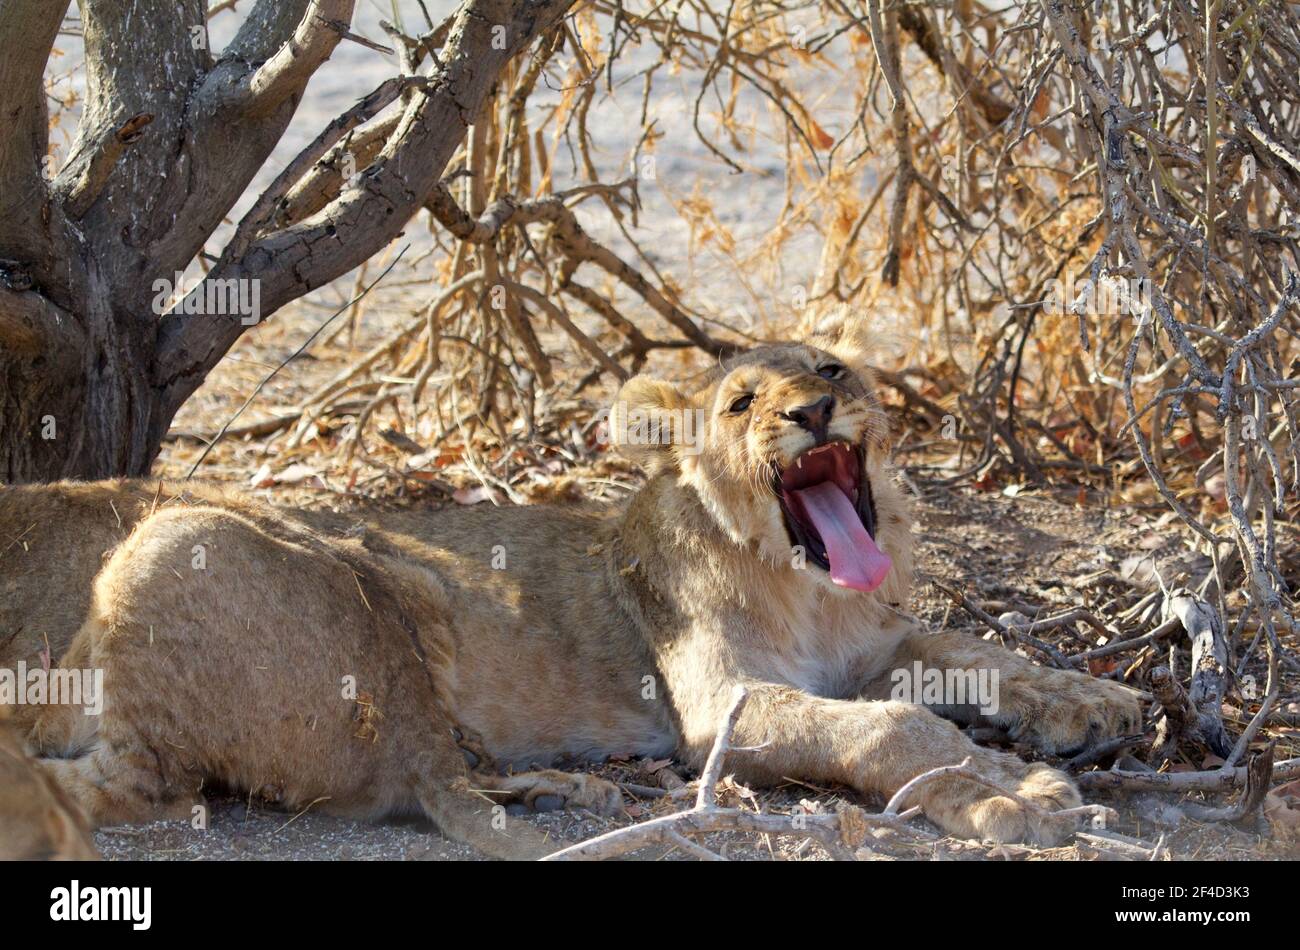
point(1054, 656)
point(1215, 780)
point(1101, 750)
point(1123, 646)
point(1259, 776)
point(1129, 849)
point(254, 429)
point(1210, 674)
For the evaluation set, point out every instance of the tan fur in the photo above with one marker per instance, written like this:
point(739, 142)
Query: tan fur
point(517, 638)
point(37, 820)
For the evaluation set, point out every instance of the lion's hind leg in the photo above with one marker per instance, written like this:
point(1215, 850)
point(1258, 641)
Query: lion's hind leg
point(68, 727)
point(551, 790)
point(471, 806)
point(447, 796)
point(104, 759)
point(119, 787)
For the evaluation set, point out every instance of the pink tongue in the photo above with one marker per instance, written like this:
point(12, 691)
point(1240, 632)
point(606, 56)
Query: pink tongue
point(855, 560)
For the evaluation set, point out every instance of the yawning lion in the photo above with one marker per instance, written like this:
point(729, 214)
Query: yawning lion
point(428, 660)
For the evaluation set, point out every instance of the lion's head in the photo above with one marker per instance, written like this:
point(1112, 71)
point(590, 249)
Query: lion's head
point(786, 447)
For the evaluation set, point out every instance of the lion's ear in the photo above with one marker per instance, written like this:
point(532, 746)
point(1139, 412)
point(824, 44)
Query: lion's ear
point(648, 420)
point(846, 338)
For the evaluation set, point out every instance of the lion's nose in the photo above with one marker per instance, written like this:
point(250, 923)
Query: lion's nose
point(815, 417)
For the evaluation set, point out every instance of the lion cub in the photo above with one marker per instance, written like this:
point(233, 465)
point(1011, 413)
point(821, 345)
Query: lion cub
point(442, 661)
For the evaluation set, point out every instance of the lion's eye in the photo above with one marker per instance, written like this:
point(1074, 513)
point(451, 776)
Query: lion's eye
point(741, 404)
point(830, 371)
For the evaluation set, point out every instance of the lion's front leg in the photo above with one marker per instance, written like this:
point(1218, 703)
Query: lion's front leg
point(876, 748)
point(1057, 711)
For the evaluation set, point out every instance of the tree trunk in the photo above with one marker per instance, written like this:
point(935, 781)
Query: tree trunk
point(69, 427)
point(83, 409)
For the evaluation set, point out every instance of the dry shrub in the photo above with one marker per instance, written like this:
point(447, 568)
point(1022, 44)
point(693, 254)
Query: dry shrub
point(960, 172)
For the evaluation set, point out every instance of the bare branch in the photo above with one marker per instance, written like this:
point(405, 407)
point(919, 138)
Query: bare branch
point(574, 244)
point(86, 171)
point(264, 209)
point(323, 182)
point(132, 73)
point(285, 73)
point(1215, 780)
point(1259, 779)
point(31, 325)
point(269, 25)
point(27, 32)
point(362, 220)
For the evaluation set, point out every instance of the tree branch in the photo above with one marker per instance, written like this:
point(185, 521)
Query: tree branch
point(86, 171)
point(268, 27)
point(30, 325)
point(141, 59)
point(357, 224)
point(574, 244)
point(149, 209)
point(325, 180)
point(1215, 780)
point(262, 211)
point(27, 32)
point(286, 73)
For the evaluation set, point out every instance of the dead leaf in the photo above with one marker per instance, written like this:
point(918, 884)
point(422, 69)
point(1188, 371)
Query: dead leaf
point(295, 474)
point(262, 478)
point(820, 137)
point(474, 494)
point(1102, 665)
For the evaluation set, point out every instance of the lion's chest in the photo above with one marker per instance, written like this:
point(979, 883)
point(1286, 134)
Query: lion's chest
point(830, 654)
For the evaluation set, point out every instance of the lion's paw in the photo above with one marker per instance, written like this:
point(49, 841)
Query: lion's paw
point(1061, 712)
point(1003, 819)
point(974, 810)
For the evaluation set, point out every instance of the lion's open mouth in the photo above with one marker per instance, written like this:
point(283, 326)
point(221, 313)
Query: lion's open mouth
point(829, 511)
